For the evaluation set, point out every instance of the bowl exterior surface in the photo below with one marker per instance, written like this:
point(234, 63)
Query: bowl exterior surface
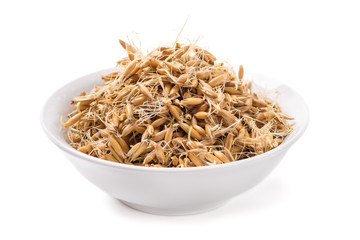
point(176, 193)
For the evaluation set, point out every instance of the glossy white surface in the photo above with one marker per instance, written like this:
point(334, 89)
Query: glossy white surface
point(173, 191)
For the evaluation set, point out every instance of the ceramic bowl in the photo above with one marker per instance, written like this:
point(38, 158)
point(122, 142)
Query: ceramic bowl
point(173, 191)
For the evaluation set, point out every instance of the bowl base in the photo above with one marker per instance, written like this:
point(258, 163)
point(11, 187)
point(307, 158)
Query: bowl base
point(175, 211)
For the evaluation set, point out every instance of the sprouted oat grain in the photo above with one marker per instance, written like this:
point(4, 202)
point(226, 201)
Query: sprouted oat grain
point(176, 106)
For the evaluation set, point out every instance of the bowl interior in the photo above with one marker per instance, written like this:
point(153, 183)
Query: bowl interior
point(290, 102)
point(58, 105)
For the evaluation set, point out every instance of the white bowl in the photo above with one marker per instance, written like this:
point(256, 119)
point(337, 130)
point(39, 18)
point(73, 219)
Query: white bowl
point(172, 191)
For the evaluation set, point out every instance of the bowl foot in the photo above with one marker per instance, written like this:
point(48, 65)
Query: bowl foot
point(188, 210)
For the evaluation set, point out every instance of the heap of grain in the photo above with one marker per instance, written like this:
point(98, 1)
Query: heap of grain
point(174, 107)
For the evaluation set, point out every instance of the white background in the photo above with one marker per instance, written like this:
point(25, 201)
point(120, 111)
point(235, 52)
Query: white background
point(313, 46)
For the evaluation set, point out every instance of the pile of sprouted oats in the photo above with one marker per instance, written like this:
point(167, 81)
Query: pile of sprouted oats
point(174, 107)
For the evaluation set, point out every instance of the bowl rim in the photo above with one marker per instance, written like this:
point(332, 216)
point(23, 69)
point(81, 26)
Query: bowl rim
point(68, 149)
